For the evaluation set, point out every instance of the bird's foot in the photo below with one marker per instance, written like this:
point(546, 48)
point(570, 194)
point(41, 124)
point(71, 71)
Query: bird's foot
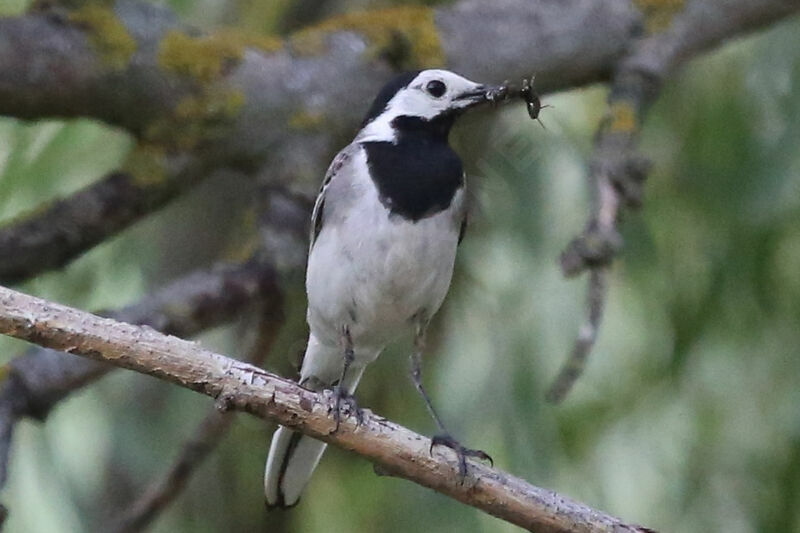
point(348, 401)
point(461, 452)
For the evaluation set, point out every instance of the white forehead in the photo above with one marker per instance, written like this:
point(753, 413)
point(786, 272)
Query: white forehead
point(414, 100)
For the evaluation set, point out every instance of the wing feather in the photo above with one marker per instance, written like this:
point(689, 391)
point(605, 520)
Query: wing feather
point(317, 215)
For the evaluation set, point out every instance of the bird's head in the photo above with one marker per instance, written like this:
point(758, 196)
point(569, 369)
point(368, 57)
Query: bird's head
point(425, 102)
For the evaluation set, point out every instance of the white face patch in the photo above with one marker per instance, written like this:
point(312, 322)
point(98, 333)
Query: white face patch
point(430, 94)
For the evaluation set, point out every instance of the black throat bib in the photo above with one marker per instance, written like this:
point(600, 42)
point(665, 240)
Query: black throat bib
point(418, 175)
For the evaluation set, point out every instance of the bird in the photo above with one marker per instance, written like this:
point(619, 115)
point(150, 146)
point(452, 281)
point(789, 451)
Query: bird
point(385, 228)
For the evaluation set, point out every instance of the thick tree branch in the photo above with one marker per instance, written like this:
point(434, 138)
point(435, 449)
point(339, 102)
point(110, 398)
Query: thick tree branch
point(235, 99)
point(138, 73)
point(283, 227)
point(246, 388)
point(149, 65)
point(32, 383)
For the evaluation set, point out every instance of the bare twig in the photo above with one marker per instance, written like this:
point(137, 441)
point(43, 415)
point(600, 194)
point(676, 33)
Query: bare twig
point(573, 367)
point(51, 237)
point(203, 441)
point(32, 383)
point(617, 174)
point(163, 491)
point(247, 388)
point(616, 171)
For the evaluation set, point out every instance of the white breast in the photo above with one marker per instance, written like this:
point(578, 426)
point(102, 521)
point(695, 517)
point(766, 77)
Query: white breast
point(372, 272)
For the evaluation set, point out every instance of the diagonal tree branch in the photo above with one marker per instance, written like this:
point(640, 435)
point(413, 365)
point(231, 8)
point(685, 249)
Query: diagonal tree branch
point(616, 174)
point(53, 236)
point(616, 171)
point(32, 383)
point(244, 387)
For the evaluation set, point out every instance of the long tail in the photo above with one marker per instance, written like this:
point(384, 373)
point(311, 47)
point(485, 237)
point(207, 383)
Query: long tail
point(292, 455)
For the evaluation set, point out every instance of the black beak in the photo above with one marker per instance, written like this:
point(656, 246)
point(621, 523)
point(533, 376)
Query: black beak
point(483, 94)
point(477, 96)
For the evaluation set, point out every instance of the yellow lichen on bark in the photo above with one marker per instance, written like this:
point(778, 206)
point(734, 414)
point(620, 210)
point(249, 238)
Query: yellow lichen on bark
point(197, 118)
point(307, 121)
point(217, 105)
point(622, 118)
point(658, 14)
point(202, 58)
point(411, 26)
point(206, 57)
point(146, 163)
point(106, 33)
point(244, 242)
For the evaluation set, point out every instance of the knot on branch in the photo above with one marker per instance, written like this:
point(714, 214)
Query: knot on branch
point(628, 179)
point(225, 402)
point(620, 180)
point(595, 247)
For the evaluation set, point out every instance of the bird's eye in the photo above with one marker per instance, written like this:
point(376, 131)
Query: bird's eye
point(436, 88)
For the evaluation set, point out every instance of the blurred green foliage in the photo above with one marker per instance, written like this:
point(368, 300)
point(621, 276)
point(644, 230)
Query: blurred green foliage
point(688, 416)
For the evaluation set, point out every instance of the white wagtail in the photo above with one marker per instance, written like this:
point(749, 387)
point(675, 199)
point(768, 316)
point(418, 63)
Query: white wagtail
point(385, 227)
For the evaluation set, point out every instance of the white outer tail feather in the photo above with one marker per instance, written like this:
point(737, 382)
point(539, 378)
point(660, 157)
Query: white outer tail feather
point(292, 456)
point(289, 470)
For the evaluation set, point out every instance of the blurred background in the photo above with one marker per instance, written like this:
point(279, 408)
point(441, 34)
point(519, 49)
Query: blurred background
point(687, 418)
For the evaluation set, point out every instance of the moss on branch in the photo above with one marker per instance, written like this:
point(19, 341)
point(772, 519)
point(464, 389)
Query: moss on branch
point(658, 14)
point(106, 33)
point(207, 57)
point(405, 35)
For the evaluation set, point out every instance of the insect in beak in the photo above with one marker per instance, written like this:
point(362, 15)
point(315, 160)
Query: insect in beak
point(532, 101)
point(506, 91)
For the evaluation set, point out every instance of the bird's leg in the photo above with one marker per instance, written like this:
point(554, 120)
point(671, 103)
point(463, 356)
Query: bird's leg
point(443, 438)
point(340, 393)
point(416, 375)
